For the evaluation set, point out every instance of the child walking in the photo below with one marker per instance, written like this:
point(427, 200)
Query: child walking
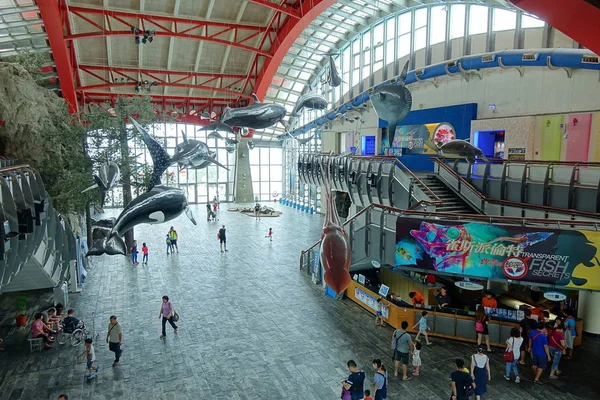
point(134, 253)
point(169, 245)
point(417, 359)
point(145, 254)
point(379, 313)
point(91, 359)
point(422, 327)
point(270, 234)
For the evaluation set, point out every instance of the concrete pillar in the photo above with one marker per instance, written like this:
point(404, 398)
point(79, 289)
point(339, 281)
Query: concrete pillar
point(589, 311)
point(243, 192)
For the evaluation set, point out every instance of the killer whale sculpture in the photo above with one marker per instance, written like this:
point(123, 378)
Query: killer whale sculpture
point(107, 178)
point(189, 152)
point(392, 104)
point(333, 75)
point(310, 100)
point(461, 149)
point(161, 204)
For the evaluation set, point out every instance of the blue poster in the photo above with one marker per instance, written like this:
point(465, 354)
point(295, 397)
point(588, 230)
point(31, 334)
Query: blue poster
point(316, 267)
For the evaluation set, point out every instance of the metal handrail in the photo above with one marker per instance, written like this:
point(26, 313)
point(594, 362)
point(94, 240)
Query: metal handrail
point(484, 198)
point(14, 167)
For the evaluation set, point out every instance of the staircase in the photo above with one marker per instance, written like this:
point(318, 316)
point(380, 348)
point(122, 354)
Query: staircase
point(451, 203)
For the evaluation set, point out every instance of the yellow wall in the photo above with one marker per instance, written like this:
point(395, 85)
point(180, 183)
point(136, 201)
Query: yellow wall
point(401, 286)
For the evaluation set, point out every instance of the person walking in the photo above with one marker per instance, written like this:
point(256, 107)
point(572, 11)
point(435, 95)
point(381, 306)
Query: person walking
point(167, 313)
point(570, 333)
point(481, 327)
point(270, 234)
point(173, 237)
point(145, 254)
point(134, 253)
point(527, 324)
point(208, 211)
point(114, 338)
point(557, 346)
point(215, 204)
point(422, 324)
point(222, 235)
point(379, 380)
point(480, 372)
point(540, 354)
point(257, 210)
point(402, 345)
point(355, 382)
point(513, 346)
point(169, 245)
point(416, 361)
point(461, 382)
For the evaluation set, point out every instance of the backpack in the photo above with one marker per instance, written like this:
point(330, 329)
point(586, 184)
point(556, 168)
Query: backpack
point(383, 390)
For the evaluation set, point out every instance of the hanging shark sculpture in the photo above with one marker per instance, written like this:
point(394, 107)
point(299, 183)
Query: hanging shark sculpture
point(189, 153)
point(461, 149)
point(107, 178)
point(392, 104)
point(333, 75)
point(161, 204)
point(310, 100)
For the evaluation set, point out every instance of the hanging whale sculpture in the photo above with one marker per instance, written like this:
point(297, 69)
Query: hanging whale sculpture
point(333, 77)
point(461, 149)
point(161, 204)
point(194, 154)
point(311, 101)
point(256, 116)
point(216, 127)
point(392, 104)
point(107, 178)
point(187, 152)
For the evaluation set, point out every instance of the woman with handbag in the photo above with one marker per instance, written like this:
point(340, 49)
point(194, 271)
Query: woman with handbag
point(167, 312)
point(481, 327)
point(557, 346)
point(512, 354)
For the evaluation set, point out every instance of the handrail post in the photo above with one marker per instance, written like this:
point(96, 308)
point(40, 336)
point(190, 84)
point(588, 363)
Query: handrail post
point(503, 181)
point(574, 176)
point(382, 224)
point(524, 182)
point(546, 192)
point(486, 175)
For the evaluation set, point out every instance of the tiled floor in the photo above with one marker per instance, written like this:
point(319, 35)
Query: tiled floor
point(252, 327)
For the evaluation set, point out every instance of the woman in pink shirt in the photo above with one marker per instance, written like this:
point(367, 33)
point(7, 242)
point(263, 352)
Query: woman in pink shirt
point(166, 312)
point(39, 329)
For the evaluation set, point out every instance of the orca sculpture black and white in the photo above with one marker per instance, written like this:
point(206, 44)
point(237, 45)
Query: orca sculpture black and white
point(161, 204)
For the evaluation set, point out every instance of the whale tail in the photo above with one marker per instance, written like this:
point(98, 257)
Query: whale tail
point(111, 245)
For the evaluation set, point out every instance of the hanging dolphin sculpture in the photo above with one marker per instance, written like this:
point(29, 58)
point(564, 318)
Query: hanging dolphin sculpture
point(217, 135)
point(333, 76)
point(195, 154)
point(256, 116)
point(186, 152)
point(461, 149)
point(107, 178)
point(216, 127)
point(392, 104)
point(310, 100)
point(161, 204)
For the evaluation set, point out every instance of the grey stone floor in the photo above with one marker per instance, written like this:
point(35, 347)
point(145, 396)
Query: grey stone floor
point(252, 327)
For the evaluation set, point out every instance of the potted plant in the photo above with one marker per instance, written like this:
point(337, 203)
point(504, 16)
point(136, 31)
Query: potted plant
point(21, 317)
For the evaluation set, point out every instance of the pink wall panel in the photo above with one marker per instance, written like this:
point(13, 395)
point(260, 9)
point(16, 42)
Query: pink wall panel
point(578, 137)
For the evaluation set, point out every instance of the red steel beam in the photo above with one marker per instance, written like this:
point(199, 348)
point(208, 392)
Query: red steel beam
point(190, 74)
point(177, 85)
point(54, 28)
point(159, 97)
point(576, 18)
point(276, 7)
point(287, 35)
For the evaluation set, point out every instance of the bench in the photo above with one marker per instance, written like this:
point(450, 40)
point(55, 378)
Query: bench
point(35, 343)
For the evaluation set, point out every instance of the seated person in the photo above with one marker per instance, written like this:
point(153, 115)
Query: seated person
point(71, 323)
point(39, 329)
point(59, 310)
point(417, 298)
point(50, 319)
point(489, 301)
point(443, 297)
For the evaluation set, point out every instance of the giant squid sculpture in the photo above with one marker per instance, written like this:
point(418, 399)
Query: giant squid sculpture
point(336, 254)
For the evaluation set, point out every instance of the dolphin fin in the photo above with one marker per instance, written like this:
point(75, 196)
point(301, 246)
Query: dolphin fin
point(160, 158)
point(255, 97)
point(404, 73)
point(94, 186)
point(113, 245)
point(185, 139)
point(190, 215)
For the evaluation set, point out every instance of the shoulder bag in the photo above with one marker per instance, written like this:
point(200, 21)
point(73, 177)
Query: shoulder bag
point(562, 349)
point(509, 355)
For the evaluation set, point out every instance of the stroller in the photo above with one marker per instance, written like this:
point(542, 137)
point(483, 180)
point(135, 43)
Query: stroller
point(212, 216)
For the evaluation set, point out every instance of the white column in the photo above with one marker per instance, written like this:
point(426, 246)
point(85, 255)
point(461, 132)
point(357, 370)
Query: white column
point(589, 311)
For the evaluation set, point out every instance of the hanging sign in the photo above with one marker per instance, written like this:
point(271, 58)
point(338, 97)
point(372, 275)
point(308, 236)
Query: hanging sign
point(375, 264)
point(384, 290)
point(469, 285)
point(555, 296)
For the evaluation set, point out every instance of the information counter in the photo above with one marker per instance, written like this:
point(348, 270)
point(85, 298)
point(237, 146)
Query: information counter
point(443, 322)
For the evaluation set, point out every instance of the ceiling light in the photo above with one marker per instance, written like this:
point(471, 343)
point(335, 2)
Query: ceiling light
point(137, 40)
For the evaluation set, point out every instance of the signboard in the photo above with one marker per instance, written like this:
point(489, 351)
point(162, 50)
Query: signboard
point(515, 315)
point(371, 302)
point(361, 279)
point(516, 153)
point(469, 285)
point(531, 255)
point(384, 290)
point(419, 139)
point(555, 296)
point(375, 264)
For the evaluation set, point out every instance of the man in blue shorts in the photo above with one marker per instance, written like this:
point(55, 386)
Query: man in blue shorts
point(540, 354)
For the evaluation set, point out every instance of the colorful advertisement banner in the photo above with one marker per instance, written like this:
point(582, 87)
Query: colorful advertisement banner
point(371, 301)
point(567, 258)
point(419, 139)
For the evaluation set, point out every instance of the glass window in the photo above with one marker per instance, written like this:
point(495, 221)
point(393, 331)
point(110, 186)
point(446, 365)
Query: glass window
point(404, 23)
point(529, 21)
point(378, 34)
point(403, 45)
point(420, 38)
point(366, 40)
point(457, 21)
point(438, 25)
point(478, 20)
point(420, 18)
point(504, 20)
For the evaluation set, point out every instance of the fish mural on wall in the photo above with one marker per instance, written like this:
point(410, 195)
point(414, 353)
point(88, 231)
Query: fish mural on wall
point(161, 204)
point(392, 104)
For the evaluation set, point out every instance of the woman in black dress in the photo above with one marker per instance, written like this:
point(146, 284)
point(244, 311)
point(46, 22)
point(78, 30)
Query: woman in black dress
point(481, 327)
